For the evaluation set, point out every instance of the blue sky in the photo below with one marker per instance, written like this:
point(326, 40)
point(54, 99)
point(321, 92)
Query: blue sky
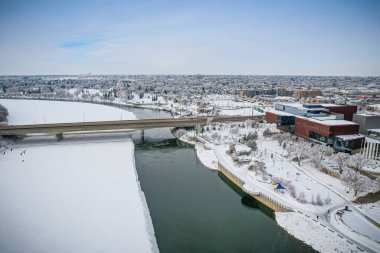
point(190, 37)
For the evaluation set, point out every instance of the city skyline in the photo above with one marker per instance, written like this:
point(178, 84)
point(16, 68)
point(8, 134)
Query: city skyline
point(167, 37)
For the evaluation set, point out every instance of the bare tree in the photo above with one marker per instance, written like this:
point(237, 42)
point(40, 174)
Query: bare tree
point(302, 198)
point(341, 160)
point(298, 151)
point(358, 162)
point(355, 181)
point(252, 144)
point(282, 137)
point(318, 153)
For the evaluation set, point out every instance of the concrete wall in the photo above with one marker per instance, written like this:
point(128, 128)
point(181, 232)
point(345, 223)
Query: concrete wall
point(366, 122)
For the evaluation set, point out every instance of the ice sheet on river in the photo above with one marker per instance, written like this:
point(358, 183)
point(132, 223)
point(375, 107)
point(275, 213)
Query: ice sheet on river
point(73, 197)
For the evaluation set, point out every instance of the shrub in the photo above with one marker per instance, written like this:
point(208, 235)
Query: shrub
point(234, 131)
point(327, 200)
point(252, 144)
point(291, 190)
point(318, 200)
point(231, 148)
point(3, 113)
point(267, 133)
point(302, 198)
point(180, 132)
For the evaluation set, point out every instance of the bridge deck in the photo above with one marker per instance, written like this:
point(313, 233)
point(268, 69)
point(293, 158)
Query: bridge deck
point(116, 125)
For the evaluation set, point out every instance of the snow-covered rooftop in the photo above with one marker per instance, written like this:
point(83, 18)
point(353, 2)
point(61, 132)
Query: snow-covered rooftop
point(329, 122)
point(350, 136)
point(280, 112)
point(240, 148)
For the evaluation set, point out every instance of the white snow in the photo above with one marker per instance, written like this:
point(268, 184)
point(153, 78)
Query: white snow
point(360, 225)
point(240, 112)
point(39, 112)
point(207, 157)
point(310, 231)
point(81, 194)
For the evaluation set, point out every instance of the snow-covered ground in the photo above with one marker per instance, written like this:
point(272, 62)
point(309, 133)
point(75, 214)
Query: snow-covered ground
point(371, 210)
point(315, 233)
point(360, 225)
point(207, 157)
point(41, 112)
point(81, 194)
point(240, 112)
point(309, 184)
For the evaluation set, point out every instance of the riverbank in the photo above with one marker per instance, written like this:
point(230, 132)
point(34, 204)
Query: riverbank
point(292, 222)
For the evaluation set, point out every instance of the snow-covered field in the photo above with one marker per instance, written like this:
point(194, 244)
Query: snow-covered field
point(81, 194)
point(41, 112)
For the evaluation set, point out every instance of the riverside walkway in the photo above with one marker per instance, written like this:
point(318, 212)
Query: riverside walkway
point(109, 126)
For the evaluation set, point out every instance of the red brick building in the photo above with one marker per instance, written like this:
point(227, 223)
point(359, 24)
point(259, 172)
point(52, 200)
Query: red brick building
point(311, 122)
point(309, 128)
point(347, 110)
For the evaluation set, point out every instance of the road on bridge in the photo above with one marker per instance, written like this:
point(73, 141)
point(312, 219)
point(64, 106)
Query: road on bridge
point(97, 126)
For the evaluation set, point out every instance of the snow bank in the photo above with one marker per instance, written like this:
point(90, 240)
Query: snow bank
point(78, 195)
point(313, 233)
point(73, 197)
point(39, 112)
point(207, 157)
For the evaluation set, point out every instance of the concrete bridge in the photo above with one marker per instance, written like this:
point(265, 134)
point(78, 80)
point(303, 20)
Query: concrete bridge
point(109, 126)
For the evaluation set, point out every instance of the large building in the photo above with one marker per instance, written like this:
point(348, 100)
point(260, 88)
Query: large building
point(309, 93)
point(319, 124)
point(282, 92)
point(257, 92)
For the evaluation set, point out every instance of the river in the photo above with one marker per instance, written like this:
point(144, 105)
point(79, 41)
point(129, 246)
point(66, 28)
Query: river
point(195, 209)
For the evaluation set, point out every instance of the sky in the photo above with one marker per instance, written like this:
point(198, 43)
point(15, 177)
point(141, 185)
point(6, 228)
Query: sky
point(324, 37)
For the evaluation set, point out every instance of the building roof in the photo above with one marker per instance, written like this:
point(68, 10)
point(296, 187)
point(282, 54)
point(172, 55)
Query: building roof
point(350, 136)
point(282, 113)
point(328, 121)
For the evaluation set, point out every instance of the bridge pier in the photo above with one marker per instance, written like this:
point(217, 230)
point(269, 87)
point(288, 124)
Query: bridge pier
point(59, 136)
point(142, 135)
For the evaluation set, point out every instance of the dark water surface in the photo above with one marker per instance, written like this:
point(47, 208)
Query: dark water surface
point(195, 209)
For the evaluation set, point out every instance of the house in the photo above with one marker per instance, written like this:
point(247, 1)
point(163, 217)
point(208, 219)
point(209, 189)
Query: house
point(241, 150)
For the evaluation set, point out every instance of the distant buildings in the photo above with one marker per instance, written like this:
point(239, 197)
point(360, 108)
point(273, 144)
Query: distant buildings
point(308, 93)
point(374, 108)
point(257, 92)
point(282, 92)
